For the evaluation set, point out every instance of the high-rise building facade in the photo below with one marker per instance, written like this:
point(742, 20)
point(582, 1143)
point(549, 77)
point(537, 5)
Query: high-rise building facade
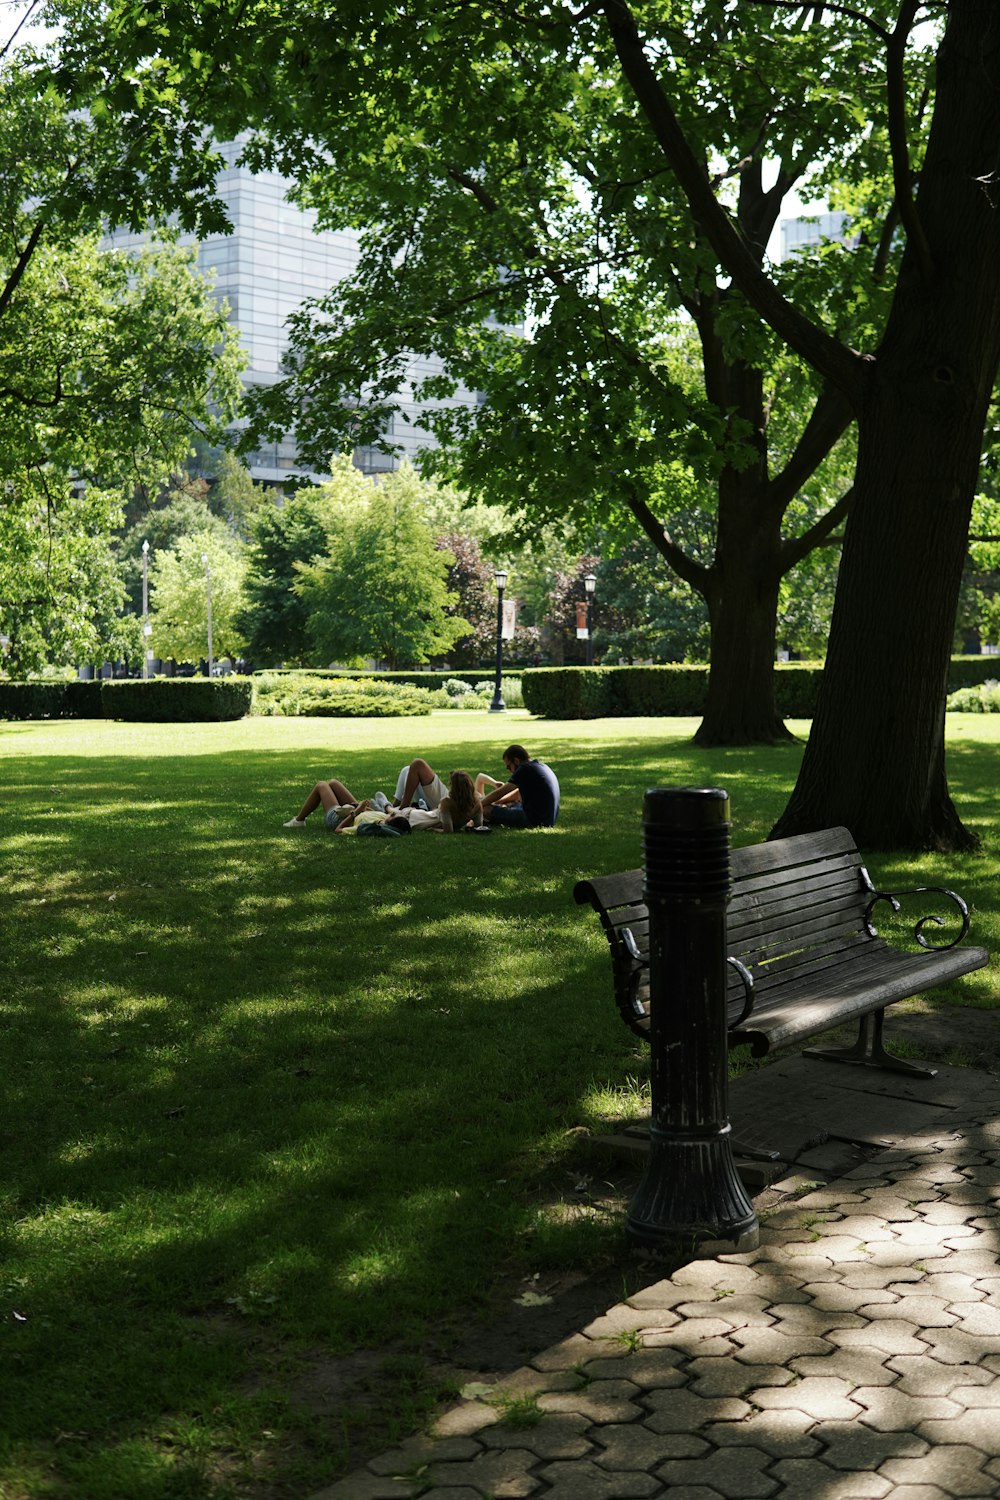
point(273, 261)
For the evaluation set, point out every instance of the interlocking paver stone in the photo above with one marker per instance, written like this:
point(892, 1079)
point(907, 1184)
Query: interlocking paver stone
point(880, 1333)
point(977, 1428)
point(558, 1435)
point(600, 1401)
point(805, 1317)
point(849, 1445)
point(737, 1310)
point(858, 1367)
point(835, 1296)
point(627, 1319)
point(953, 1347)
point(465, 1420)
point(585, 1481)
point(981, 1397)
point(811, 1479)
point(645, 1368)
point(782, 1434)
point(730, 1377)
point(824, 1400)
point(734, 1472)
point(957, 1470)
point(766, 1346)
point(979, 1318)
point(683, 1411)
point(636, 1447)
point(410, 1456)
point(951, 1286)
point(920, 1376)
point(504, 1474)
point(892, 1410)
point(913, 1308)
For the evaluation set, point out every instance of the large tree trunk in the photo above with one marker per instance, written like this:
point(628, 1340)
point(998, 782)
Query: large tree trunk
point(742, 607)
point(875, 759)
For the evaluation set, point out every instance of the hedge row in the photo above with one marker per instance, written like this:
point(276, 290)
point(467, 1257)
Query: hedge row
point(430, 680)
point(679, 690)
point(164, 700)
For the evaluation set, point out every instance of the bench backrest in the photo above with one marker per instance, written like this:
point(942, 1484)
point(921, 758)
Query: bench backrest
point(797, 904)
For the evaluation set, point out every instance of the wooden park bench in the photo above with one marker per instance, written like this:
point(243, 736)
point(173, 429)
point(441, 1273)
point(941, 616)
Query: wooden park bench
point(804, 955)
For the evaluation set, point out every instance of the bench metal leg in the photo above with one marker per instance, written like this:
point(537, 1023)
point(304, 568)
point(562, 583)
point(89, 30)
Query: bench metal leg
point(869, 1051)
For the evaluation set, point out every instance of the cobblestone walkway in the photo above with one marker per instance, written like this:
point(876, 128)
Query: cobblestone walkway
point(855, 1353)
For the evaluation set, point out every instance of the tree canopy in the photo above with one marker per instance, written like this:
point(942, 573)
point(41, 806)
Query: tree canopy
point(554, 152)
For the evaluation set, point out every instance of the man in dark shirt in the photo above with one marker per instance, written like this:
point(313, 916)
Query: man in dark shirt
point(529, 798)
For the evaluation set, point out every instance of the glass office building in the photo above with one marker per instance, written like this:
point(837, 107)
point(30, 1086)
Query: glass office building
point(274, 259)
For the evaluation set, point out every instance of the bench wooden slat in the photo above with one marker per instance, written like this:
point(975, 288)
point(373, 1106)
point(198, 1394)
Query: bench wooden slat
point(796, 920)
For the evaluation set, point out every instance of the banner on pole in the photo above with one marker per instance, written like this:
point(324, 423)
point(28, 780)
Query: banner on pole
point(582, 633)
point(509, 619)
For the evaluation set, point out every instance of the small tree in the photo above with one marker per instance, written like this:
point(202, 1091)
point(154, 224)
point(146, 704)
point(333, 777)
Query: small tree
point(471, 579)
point(180, 584)
point(275, 615)
point(381, 589)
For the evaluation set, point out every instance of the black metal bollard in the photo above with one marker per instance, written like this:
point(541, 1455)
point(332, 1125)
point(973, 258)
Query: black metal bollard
point(690, 1193)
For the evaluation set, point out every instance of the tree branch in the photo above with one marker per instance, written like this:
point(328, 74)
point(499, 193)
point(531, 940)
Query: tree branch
point(896, 115)
point(693, 573)
point(829, 420)
point(843, 10)
point(842, 366)
point(796, 548)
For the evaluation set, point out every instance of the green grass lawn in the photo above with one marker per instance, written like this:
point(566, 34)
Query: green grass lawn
point(269, 1093)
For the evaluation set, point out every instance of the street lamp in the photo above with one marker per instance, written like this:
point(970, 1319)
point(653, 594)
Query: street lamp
point(498, 706)
point(590, 584)
point(208, 585)
point(147, 629)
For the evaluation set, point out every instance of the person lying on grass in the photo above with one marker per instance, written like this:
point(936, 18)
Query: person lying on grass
point(457, 807)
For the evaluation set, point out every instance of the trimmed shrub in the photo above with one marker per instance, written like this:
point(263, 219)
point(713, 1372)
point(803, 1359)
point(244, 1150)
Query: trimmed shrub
point(83, 699)
point(341, 697)
point(32, 700)
point(50, 700)
point(674, 690)
point(970, 671)
point(177, 700)
point(982, 699)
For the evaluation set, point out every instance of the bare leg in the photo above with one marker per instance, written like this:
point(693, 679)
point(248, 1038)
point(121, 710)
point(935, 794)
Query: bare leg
point(418, 773)
point(485, 782)
point(332, 793)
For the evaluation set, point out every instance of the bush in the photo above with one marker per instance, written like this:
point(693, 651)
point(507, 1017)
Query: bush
point(172, 701)
point(310, 696)
point(650, 692)
point(50, 700)
point(614, 692)
point(983, 699)
point(971, 671)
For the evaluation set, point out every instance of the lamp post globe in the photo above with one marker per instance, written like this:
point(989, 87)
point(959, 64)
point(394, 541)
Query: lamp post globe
point(590, 584)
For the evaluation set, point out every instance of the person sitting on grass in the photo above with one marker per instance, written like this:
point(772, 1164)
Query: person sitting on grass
point(449, 810)
point(457, 807)
point(529, 798)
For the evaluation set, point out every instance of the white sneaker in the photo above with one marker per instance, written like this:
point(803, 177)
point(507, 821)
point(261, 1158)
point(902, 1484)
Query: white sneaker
point(295, 823)
point(380, 801)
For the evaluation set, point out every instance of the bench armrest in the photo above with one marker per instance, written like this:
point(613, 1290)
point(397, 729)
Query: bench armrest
point(748, 991)
point(918, 929)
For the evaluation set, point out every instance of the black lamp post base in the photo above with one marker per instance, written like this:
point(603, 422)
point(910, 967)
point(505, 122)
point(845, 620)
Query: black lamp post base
point(691, 1198)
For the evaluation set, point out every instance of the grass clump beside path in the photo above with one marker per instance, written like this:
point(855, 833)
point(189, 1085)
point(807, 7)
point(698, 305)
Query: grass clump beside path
point(271, 1096)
